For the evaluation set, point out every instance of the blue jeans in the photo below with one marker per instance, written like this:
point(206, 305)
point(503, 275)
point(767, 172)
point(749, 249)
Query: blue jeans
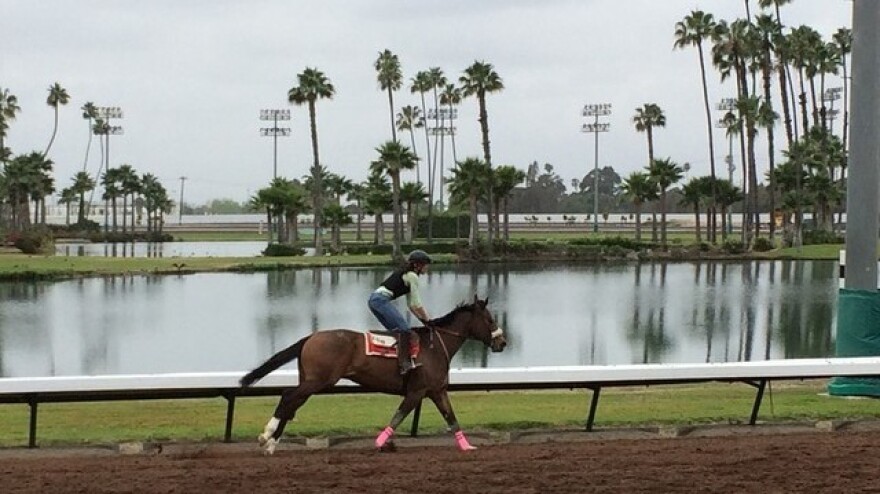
point(386, 313)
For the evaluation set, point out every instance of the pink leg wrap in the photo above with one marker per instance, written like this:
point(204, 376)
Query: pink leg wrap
point(384, 436)
point(462, 442)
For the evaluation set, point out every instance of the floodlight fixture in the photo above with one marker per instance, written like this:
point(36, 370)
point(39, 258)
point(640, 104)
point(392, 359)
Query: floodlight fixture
point(442, 114)
point(594, 110)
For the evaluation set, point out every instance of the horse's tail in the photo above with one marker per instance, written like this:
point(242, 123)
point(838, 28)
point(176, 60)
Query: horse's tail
point(274, 362)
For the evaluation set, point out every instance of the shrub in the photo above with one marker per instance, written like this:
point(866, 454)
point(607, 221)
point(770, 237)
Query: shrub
point(763, 244)
point(813, 237)
point(38, 240)
point(282, 250)
point(444, 225)
point(733, 247)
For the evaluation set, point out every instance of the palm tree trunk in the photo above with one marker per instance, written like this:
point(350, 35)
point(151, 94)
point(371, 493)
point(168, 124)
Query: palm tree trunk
point(318, 193)
point(506, 222)
point(697, 219)
point(428, 169)
point(391, 111)
point(395, 206)
point(711, 141)
point(638, 206)
point(54, 131)
point(663, 218)
point(487, 155)
point(472, 238)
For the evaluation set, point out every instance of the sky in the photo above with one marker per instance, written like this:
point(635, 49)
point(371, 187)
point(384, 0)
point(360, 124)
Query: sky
point(192, 76)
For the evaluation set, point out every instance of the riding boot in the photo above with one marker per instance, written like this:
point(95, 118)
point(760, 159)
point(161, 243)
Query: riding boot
point(404, 360)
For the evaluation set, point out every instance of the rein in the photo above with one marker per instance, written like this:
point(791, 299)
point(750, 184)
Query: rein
point(443, 343)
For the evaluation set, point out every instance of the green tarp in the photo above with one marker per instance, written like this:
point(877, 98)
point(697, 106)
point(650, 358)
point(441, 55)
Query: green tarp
point(858, 335)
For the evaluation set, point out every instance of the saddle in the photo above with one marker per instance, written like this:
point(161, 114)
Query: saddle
point(384, 343)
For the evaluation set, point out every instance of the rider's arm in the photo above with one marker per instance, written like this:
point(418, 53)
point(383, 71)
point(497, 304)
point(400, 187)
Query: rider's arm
point(413, 298)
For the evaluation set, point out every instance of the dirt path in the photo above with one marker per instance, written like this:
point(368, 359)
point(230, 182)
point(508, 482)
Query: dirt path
point(845, 461)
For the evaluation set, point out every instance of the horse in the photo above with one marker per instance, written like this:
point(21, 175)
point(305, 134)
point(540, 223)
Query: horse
point(327, 356)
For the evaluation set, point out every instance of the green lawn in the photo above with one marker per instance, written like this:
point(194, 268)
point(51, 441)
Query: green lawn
point(334, 415)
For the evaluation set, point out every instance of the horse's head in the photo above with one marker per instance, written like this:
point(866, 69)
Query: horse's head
point(483, 327)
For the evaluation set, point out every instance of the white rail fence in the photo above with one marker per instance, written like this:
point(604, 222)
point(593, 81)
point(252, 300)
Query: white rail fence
point(69, 389)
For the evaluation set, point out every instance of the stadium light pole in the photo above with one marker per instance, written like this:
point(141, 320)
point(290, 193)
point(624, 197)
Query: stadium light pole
point(274, 131)
point(180, 209)
point(830, 96)
point(442, 115)
point(595, 111)
point(728, 105)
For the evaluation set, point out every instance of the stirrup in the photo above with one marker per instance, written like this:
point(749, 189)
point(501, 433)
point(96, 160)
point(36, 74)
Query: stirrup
point(408, 365)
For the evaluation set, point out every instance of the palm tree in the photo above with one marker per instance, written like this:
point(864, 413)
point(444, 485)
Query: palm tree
point(504, 180)
point(57, 96)
point(470, 182)
point(645, 119)
point(110, 181)
point(129, 185)
point(479, 80)
point(66, 197)
point(152, 191)
point(664, 173)
point(90, 113)
point(421, 84)
point(337, 217)
point(312, 85)
point(639, 188)
point(357, 194)
point(412, 194)
point(377, 200)
point(692, 195)
point(843, 40)
point(82, 183)
point(394, 158)
point(390, 79)
point(411, 118)
point(692, 31)
point(8, 108)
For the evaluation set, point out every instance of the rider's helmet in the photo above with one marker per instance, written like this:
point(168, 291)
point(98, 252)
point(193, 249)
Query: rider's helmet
point(419, 256)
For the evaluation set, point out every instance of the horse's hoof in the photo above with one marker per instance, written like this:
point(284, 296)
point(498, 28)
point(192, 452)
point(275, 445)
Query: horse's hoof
point(388, 447)
point(263, 439)
point(467, 448)
point(269, 448)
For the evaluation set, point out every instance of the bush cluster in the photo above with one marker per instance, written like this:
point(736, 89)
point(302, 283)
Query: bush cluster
point(282, 250)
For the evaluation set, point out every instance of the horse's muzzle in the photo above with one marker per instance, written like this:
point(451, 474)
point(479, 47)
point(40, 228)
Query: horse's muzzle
point(498, 340)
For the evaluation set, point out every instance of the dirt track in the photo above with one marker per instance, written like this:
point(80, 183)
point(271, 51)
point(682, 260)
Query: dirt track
point(846, 461)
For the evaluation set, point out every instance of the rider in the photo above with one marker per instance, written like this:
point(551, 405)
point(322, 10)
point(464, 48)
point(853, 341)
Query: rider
point(403, 281)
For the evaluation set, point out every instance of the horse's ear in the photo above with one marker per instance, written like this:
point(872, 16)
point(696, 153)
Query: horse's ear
point(476, 299)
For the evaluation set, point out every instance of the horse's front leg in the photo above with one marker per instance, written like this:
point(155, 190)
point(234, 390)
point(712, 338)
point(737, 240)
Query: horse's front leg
point(441, 401)
point(409, 402)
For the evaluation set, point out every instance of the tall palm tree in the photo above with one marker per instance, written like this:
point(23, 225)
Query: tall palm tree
point(479, 80)
point(645, 119)
point(504, 180)
point(421, 83)
point(411, 118)
point(112, 191)
point(90, 113)
point(692, 31)
point(470, 182)
point(664, 173)
point(843, 41)
point(336, 217)
point(82, 183)
point(313, 85)
point(377, 201)
point(57, 97)
point(394, 158)
point(8, 108)
point(638, 188)
point(390, 79)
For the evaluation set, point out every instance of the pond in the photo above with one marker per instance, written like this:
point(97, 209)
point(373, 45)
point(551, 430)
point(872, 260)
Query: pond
point(553, 315)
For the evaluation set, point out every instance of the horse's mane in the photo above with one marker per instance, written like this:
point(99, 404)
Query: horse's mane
point(448, 318)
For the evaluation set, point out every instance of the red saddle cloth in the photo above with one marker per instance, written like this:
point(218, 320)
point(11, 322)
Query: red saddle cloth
point(380, 345)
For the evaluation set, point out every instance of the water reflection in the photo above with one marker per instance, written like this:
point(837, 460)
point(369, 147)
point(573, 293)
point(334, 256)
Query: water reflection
point(553, 315)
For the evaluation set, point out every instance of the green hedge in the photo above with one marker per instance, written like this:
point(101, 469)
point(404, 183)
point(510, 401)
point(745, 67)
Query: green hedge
point(444, 225)
point(282, 250)
point(385, 249)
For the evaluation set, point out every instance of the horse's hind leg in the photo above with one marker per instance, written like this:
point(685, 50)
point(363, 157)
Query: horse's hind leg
point(291, 400)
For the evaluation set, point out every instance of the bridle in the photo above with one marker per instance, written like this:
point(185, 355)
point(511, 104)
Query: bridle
point(495, 334)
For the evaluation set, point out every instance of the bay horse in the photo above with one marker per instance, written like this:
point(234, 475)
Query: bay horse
point(327, 356)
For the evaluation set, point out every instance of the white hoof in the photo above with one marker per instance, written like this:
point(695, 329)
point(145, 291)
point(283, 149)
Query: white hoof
point(269, 446)
point(263, 439)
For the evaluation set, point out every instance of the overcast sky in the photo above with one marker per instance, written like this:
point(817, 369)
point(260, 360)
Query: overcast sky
point(192, 76)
